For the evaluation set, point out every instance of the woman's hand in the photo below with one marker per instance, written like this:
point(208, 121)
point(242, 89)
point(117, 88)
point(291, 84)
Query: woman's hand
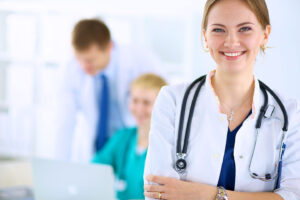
point(171, 189)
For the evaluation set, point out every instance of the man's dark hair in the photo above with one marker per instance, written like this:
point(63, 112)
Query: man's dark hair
point(90, 31)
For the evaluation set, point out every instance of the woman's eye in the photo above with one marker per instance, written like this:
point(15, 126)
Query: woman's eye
point(146, 103)
point(218, 30)
point(135, 101)
point(245, 29)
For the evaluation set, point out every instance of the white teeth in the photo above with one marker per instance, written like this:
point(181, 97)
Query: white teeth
point(233, 54)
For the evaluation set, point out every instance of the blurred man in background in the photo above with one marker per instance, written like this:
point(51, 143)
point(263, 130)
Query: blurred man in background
point(95, 90)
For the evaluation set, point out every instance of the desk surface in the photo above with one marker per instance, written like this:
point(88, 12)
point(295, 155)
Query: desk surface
point(15, 173)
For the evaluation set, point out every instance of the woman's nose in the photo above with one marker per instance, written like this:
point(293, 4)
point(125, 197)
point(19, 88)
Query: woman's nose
point(232, 40)
point(140, 107)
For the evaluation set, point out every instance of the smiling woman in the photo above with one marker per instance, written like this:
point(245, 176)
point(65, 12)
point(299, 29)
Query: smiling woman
point(236, 37)
point(244, 157)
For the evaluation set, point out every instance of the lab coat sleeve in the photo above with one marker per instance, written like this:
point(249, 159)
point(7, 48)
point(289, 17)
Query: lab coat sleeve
point(66, 110)
point(161, 150)
point(290, 180)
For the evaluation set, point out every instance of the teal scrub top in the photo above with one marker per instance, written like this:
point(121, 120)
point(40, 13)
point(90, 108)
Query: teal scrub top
point(120, 152)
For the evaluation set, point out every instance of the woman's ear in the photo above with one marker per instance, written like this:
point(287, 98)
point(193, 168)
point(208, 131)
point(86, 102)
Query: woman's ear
point(267, 33)
point(204, 44)
point(204, 36)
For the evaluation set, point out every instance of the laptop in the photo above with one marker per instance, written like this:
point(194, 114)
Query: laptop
point(16, 193)
point(59, 180)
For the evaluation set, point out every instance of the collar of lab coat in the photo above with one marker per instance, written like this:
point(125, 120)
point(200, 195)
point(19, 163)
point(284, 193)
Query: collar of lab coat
point(256, 96)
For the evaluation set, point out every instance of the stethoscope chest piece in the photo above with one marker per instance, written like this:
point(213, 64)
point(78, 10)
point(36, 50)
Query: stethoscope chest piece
point(180, 165)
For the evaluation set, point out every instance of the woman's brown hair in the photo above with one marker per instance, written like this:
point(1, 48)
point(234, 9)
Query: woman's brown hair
point(258, 7)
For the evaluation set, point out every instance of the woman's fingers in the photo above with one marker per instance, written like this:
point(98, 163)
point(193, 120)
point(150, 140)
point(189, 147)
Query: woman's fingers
point(158, 179)
point(155, 195)
point(165, 188)
point(154, 188)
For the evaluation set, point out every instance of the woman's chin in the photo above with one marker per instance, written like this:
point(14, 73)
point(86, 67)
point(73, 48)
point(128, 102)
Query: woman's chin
point(142, 123)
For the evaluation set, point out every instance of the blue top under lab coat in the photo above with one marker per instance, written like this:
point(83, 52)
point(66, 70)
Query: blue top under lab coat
point(227, 175)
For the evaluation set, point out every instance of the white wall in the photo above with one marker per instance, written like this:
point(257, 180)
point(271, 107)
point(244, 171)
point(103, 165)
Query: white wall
point(281, 67)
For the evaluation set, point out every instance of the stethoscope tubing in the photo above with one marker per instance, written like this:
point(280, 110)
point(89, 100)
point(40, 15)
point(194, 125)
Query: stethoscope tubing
point(181, 153)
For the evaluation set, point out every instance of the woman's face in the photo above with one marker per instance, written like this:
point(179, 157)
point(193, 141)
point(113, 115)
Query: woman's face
point(234, 35)
point(141, 104)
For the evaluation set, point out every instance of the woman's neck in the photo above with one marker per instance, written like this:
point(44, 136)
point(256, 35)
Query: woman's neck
point(233, 89)
point(143, 136)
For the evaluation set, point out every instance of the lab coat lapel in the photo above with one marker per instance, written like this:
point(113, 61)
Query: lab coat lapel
point(208, 138)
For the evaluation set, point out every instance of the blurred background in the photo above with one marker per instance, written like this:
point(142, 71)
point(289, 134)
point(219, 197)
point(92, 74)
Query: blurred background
point(35, 44)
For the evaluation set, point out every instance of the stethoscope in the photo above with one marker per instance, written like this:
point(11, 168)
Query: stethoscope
point(181, 154)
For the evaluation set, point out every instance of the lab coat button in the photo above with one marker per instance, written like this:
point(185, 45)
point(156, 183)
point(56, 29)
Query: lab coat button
point(241, 156)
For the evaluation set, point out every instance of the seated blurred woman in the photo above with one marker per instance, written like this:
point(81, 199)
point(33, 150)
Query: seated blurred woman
point(126, 150)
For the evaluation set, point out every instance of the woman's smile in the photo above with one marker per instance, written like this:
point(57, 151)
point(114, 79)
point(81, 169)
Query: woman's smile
point(232, 55)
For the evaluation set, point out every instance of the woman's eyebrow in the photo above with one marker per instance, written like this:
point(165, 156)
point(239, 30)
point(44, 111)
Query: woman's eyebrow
point(217, 25)
point(241, 24)
point(244, 23)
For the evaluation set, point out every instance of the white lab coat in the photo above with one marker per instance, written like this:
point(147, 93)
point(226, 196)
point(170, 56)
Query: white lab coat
point(208, 139)
point(77, 114)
